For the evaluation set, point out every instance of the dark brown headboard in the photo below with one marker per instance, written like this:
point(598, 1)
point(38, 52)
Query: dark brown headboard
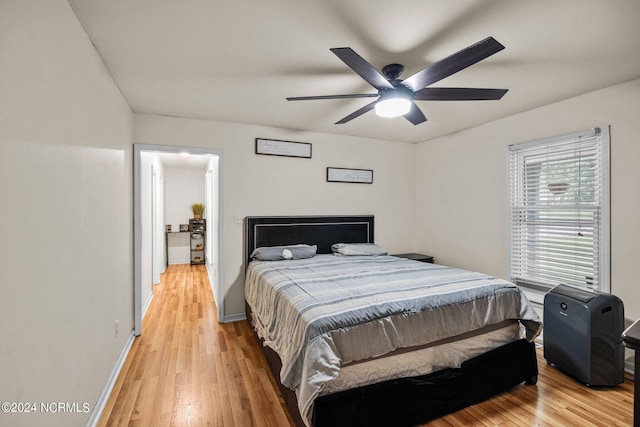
point(322, 231)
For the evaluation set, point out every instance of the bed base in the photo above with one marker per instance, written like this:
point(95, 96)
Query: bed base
point(411, 401)
point(415, 400)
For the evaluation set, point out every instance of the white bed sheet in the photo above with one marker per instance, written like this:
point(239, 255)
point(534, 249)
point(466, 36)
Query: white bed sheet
point(421, 362)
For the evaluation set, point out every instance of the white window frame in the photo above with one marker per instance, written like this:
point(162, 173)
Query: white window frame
point(520, 249)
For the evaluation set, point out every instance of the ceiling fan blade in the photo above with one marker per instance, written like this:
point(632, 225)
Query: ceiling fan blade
point(458, 94)
point(355, 95)
point(454, 63)
point(362, 67)
point(357, 113)
point(414, 115)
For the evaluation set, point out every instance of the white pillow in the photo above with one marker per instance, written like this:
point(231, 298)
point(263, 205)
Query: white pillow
point(349, 249)
point(279, 253)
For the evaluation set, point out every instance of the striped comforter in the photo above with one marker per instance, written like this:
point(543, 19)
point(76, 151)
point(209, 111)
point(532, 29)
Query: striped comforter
point(323, 312)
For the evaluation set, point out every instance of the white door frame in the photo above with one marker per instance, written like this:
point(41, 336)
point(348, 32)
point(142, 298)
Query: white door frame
point(137, 225)
point(156, 227)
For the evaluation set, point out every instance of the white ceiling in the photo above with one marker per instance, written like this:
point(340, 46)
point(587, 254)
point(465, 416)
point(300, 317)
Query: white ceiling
point(237, 61)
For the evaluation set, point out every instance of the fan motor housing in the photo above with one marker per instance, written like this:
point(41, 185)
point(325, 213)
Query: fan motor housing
point(392, 71)
point(399, 91)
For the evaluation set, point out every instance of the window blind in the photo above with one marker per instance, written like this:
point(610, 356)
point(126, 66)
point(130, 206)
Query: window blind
point(559, 211)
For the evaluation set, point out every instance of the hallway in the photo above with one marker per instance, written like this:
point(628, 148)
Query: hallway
point(186, 369)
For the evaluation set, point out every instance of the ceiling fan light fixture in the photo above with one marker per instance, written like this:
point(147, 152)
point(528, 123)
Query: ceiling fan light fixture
point(393, 107)
point(396, 96)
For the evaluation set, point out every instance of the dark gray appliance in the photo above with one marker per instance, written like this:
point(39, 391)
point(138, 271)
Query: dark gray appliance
point(583, 334)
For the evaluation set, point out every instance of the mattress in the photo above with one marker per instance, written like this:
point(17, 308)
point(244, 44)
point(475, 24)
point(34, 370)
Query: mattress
point(325, 313)
point(423, 360)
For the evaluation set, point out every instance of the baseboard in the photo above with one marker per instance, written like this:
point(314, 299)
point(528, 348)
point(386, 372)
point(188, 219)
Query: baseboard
point(111, 382)
point(146, 305)
point(213, 280)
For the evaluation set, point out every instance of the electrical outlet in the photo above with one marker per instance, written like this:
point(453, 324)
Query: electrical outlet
point(238, 219)
point(117, 326)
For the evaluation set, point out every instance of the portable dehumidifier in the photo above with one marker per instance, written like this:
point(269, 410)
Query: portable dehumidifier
point(583, 334)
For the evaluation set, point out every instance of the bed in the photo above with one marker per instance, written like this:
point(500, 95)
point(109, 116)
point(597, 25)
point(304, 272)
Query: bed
point(373, 339)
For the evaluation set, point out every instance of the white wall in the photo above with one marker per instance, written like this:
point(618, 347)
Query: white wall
point(66, 213)
point(183, 187)
point(462, 196)
point(269, 185)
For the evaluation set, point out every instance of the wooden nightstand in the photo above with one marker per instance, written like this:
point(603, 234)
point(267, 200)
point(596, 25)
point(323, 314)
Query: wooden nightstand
point(416, 257)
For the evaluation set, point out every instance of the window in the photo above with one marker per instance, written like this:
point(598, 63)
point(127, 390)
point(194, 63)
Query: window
point(559, 211)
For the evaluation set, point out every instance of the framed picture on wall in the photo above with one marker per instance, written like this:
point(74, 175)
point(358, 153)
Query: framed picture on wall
point(358, 176)
point(274, 147)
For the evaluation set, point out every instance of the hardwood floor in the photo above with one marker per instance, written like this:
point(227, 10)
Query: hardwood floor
point(186, 369)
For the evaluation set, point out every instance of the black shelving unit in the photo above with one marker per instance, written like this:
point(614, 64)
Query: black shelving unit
point(197, 242)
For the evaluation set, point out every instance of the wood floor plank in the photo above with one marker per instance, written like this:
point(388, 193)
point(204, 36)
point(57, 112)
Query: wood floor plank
point(186, 369)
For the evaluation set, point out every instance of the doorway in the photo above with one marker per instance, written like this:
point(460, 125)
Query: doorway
point(147, 209)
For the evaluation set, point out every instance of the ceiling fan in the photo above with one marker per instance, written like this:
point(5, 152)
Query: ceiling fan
point(396, 97)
